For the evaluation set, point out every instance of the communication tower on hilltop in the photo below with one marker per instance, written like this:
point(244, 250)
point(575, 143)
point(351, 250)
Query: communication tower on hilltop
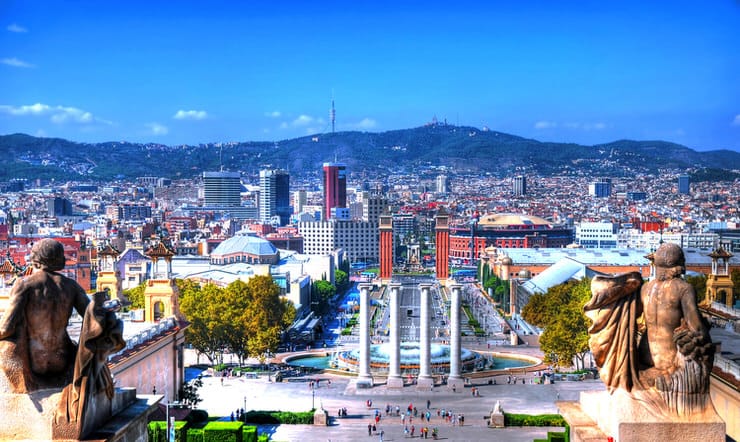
point(332, 113)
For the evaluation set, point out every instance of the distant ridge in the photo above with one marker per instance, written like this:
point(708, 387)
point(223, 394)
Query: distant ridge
point(461, 148)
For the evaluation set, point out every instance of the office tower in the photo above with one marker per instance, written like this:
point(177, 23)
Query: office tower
point(335, 187)
point(300, 198)
point(684, 184)
point(274, 196)
point(222, 189)
point(601, 188)
point(520, 186)
point(442, 184)
point(372, 206)
point(58, 206)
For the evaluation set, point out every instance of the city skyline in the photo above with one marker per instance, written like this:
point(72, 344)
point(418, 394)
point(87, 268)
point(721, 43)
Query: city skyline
point(191, 73)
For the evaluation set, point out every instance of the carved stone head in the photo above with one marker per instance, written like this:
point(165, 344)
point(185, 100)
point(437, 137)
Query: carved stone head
point(669, 255)
point(48, 254)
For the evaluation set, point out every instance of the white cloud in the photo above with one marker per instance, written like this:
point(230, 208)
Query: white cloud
point(157, 129)
point(545, 124)
point(16, 63)
point(736, 121)
point(303, 120)
point(15, 27)
point(57, 114)
point(273, 114)
point(190, 115)
point(364, 124)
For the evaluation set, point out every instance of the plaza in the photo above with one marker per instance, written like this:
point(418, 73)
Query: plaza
point(295, 394)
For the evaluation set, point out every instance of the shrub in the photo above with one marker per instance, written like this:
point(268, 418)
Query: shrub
point(529, 420)
point(279, 417)
point(223, 432)
point(157, 431)
point(195, 435)
point(249, 433)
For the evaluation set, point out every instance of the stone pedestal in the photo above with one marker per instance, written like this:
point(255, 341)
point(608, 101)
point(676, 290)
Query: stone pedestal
point(31, 416)
point(599, 415)
point(497, 420)
point(321, 417)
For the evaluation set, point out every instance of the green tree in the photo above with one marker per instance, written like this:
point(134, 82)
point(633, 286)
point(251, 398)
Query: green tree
point(341, 280)
point(203, 308)
point(322, 292)
point(560, 313)
point(699, 283)
point(269, 315)
point(136, 296)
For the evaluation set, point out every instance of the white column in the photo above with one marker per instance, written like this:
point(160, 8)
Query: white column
point(364, 377)
point(455, 378)
point(394, 369)
point(425, 346)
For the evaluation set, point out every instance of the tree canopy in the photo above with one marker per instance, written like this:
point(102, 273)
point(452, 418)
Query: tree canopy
point(560, 313)
point(245, 318)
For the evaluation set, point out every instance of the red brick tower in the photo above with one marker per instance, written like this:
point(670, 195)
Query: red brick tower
point(386, 246)
point(442, 229)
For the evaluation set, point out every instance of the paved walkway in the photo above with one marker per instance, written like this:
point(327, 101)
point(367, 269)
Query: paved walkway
point(295, 395)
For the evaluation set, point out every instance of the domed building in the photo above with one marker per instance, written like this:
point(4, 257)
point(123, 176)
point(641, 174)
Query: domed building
point(245, 247)
point(505, 230)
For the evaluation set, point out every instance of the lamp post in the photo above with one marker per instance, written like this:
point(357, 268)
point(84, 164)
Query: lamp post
point(313, 396)
point(170, 424)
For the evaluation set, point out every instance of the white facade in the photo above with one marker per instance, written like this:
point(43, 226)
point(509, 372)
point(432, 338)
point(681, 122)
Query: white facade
point(600, 235)
point(359, 239)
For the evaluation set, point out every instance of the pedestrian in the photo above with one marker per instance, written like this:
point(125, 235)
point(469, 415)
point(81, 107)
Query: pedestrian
point(232, 416)
point(413, 428)
point(369, 429)
point(429, 403)
point(382, 432)
point(462, 419)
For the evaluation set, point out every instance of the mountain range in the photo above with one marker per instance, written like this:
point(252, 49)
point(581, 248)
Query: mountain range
point(461, 149)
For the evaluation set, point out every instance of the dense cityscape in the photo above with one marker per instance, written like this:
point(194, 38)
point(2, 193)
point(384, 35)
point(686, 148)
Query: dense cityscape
point(329, 221)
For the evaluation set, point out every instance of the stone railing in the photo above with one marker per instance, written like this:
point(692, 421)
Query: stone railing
point(143, 336)
point(728, 366)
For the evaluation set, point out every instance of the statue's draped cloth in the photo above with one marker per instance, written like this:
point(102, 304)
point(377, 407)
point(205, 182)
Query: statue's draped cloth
point(614, 310)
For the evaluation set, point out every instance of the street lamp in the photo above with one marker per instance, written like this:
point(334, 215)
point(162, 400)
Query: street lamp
point(313, 396)
point(170, 424)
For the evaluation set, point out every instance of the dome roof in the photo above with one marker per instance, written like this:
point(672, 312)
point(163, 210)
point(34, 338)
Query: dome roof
point(525, 274)
point(507, 261)
point(249, 244)
point(511, 219)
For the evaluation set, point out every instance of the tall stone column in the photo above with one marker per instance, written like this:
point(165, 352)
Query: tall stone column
point(394, 369)
point(425, 380)
point(365, 379)
point(455, 381)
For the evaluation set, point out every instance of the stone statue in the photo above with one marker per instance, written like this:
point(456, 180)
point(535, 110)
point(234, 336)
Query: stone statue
point(35, 350)
point(650, 340)
point(36, 353)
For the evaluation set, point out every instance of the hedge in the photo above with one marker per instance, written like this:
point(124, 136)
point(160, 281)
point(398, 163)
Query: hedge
point(279, 417)
point(223, 432)
point(530, 420)
point(157, 431)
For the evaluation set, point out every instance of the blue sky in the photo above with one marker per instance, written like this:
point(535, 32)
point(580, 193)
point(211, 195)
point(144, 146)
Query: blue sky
point(193, 72)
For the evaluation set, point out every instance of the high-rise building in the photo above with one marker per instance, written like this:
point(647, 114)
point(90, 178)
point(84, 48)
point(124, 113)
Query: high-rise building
point(372, 206)
point(335, 187)
point(520, 185)
point(222, 189)
point(441, 184)
point(274, 197)
point(601, 188)
point(684, 184)
point(300, 198)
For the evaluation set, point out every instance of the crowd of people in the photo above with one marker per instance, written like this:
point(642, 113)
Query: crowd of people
point(415, 422)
